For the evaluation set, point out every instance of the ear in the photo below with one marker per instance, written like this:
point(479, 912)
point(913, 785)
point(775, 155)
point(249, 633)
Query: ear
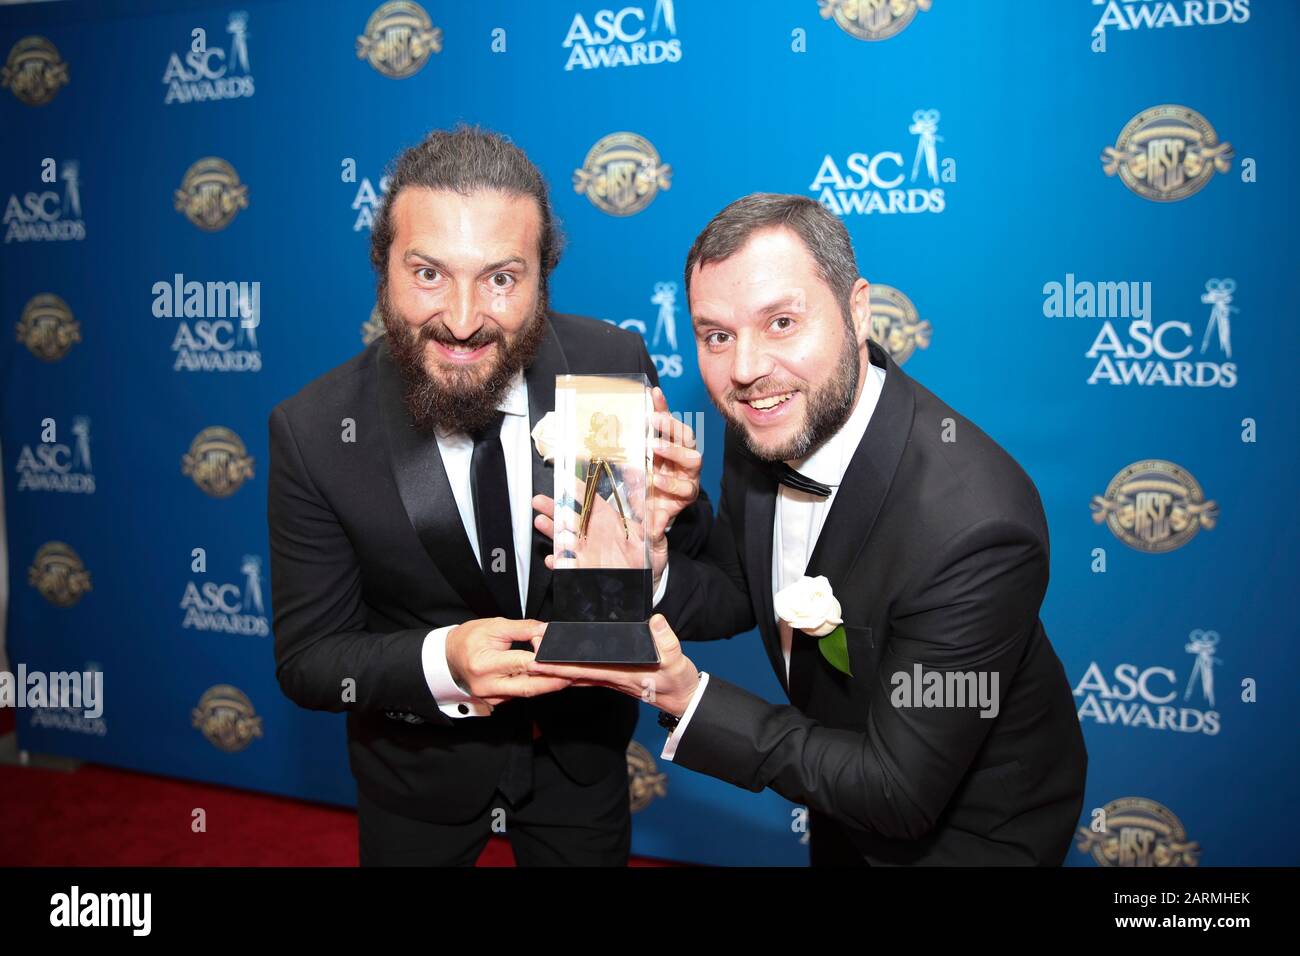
point(860, 311)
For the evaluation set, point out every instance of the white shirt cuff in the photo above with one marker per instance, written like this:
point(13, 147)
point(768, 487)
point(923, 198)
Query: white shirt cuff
point(451, 698)
point(663, 586)
point(670, 748)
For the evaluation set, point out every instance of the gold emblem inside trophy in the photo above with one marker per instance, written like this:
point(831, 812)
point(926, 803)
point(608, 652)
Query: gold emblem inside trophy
point(602, 580)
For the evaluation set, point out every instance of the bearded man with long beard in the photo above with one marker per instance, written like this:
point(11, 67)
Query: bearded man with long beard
point(409, 583)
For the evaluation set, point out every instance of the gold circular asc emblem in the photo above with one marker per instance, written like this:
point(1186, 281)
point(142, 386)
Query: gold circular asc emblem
point(872, 19)
point(1167, 153)
point(58, 574)
point(217, 461)
point(895, 323)
point(622, 174)
point(34, 71)
point(1139, 832)
point(399, 38)
point(48, 328)
point(644, 782)
point(1154, 506)
point(225, 716)
point(211, 194)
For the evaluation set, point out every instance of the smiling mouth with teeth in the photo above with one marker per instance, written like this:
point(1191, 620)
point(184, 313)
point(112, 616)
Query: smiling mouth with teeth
point(770, 401)
point(456, 351)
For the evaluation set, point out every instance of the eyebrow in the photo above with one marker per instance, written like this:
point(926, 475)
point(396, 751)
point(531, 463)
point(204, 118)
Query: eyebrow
point(777, 305)
point(439, 264)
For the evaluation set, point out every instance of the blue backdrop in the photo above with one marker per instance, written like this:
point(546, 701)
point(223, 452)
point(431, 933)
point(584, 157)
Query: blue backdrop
point(1078, 216)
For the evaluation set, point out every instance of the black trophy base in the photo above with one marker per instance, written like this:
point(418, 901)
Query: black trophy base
point(600, 617)
point(598, 642)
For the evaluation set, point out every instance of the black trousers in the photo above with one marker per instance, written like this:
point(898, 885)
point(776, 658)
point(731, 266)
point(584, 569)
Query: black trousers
point(561, 823)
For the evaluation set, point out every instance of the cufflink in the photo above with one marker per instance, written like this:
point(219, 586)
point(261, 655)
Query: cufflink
point(668, 721)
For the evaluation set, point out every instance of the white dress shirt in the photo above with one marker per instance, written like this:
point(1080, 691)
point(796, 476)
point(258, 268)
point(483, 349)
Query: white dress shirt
point(457, 450)
point(799, 516)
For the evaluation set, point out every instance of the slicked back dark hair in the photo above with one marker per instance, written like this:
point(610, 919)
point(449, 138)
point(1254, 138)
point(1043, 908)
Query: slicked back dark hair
point(822, 232)
point(464, 160)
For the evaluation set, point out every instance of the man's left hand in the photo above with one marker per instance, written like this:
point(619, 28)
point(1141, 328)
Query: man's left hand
point(669, 686)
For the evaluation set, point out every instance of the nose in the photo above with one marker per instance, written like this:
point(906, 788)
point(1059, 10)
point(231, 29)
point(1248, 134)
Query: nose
point(750, 361)
point(463, 315)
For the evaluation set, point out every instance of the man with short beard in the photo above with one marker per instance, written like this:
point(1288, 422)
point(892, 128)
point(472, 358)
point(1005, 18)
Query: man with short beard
point(408, 582)
point(934, 546)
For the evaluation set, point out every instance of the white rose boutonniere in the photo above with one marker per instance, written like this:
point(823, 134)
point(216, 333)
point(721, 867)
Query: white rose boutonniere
point(545, 437)
point(810, 605)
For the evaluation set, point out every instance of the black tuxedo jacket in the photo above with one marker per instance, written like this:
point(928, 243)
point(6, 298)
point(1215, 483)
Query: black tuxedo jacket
point(938, 553)
point(368, 554)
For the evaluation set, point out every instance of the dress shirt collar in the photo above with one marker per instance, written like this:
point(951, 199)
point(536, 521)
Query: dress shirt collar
point(514, 401)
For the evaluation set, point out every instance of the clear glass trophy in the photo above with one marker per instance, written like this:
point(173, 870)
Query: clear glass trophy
point(602, 579)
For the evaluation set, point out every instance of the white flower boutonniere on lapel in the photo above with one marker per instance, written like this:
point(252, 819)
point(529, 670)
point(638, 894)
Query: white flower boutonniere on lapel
point(810, 605)
point(545, 437)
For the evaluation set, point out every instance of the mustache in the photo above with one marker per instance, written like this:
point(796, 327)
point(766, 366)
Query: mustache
point(437, 332)
point(766, 386)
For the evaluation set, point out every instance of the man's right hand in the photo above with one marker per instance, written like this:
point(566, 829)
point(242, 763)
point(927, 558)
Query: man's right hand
point(481, 661)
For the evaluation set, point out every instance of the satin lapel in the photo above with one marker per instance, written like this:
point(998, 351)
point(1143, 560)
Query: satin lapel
point(540, 376)
point(760, 512)
point(862, 492)
point(426, 494)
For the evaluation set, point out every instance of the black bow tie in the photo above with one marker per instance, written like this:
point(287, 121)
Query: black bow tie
point(793, 479)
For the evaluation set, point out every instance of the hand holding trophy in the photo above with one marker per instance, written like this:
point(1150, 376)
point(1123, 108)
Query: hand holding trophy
point(609, 536)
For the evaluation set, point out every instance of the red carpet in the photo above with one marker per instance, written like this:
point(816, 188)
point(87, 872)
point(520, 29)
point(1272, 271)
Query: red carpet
point(98, 816)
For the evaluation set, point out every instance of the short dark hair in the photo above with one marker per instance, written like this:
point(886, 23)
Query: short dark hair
point(821, 231)
point(464, 160)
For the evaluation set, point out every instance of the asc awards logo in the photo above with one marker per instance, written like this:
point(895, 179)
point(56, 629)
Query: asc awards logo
point(47, 327)
point(1124, 15)
point(875, 183)
point(208, 73)
point(1167, 153)
point(228, 608)
point(1131, 348)
point(218, 327)
point(668, 364)
point(622, 174)
point(53, 466)
point(58, 574)
point(895, 323)
point(644, 781)
point(225, 716)
point(366, 203)
point(34, 71)
point(217, 462)
point(619, 38)
point(1135, 831)
point(1137, 696)
point(398, 39)
point(1154, 506)
point(46, 216)
point(211, 194)
point(872, 19)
